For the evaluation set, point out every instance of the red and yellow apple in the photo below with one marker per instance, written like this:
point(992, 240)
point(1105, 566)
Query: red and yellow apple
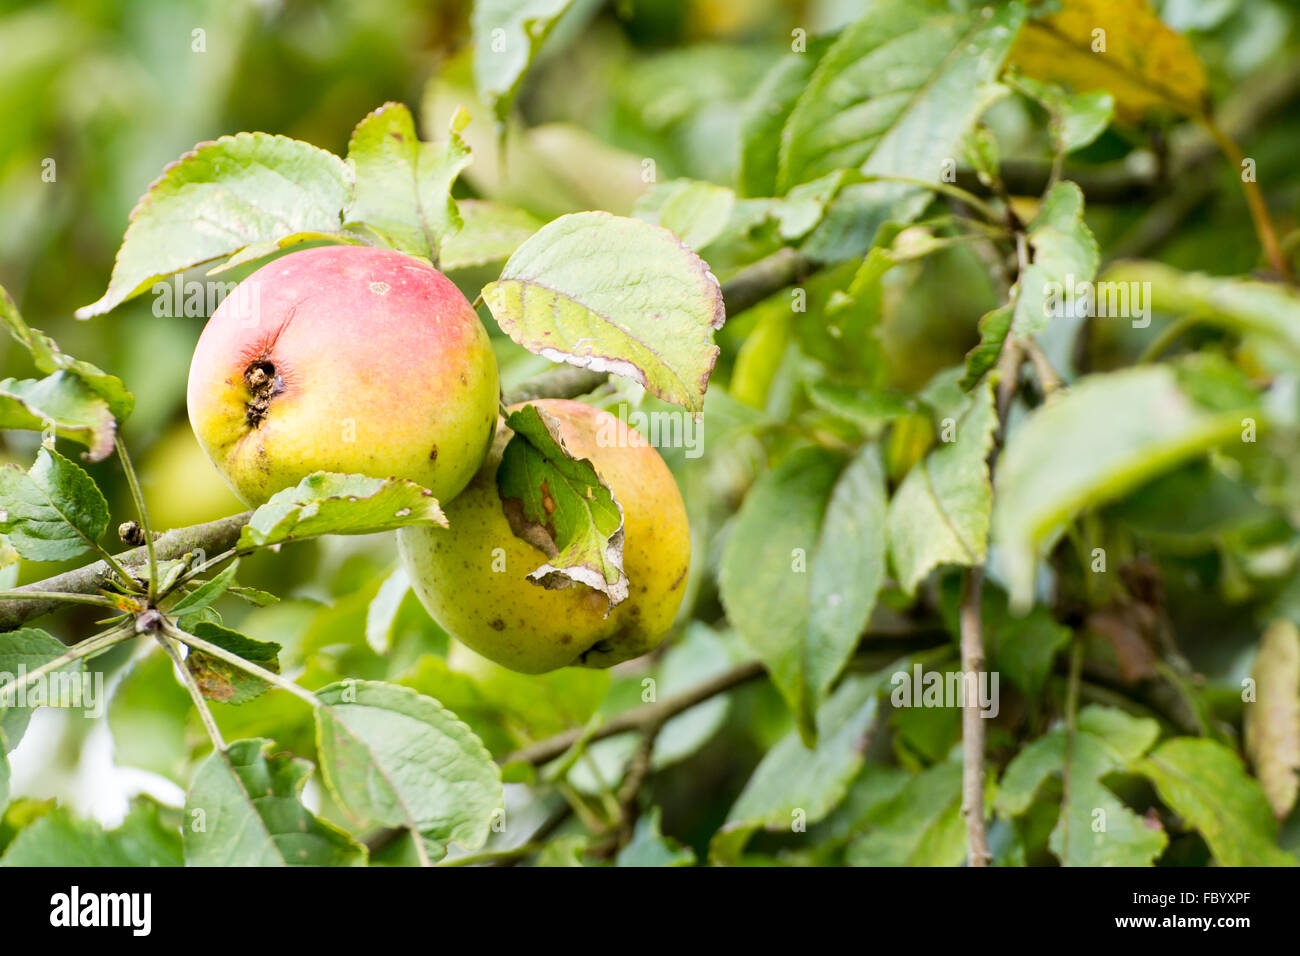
point(345, 359)
point(472, 575)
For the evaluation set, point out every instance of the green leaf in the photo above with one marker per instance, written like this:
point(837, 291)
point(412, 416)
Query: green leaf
point(1272, 718)
point(396, 758)
point(1065, 254)
point(994, 326)
point(248, 190)
point(896, 92)
point(491, 233)
point(328, 503)
point(940, 513)
point(1108, 434)
point(245, 808)
point(1205, 783)
point(61, 403)
point(616, 295)
point(49, 358)
point(507, 34)
point(921, 826)
point(649, 847)
point(223, 681)
point(801, 568)
point(765, 114)
point(53, 512)
point(59, 839)
point(21, 652)
point(1094, 828)
point(1076, 119)
point(794, 783)
point(403, 186)
point(559, 504)
point(695, 212)
point(869, 410)
point(207, 593)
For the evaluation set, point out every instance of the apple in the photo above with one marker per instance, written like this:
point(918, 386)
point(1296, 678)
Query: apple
point(472, 575)
point(345, 359)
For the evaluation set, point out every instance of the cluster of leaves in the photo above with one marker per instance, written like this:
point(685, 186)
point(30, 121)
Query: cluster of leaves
point(1100, 512)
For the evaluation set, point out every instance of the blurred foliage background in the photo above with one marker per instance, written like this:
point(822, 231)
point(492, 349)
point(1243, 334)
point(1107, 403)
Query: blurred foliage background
point(113, 91)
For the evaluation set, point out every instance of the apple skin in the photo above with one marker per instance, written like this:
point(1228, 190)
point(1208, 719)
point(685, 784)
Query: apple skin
point(528, 628)
point(345, 359)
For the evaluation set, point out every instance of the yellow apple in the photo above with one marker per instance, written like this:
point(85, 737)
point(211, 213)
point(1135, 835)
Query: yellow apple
point(472, 575)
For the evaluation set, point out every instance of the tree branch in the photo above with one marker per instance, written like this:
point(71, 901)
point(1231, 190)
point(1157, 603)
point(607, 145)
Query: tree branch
point(639, 718)
point(213, 537)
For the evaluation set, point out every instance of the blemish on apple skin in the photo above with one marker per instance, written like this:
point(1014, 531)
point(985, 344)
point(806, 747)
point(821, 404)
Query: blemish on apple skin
point(380, 288)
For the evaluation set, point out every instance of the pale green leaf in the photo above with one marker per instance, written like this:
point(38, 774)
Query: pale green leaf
point(649, 847)
point(396, 758)
point(327, 503)
point(796, 784)
point(616, 295)
point(1065, 255)
point(1205, 783)
point(921, 826)
point(940, 513)
point(1094, 827)
point(59, 839)
point(49, 358)
point(252, 189)
point(896, 92)
point(249, 802)
point(63, 404)
point(403, 186)
point(695, 212)
point(507, 34)
point(802, 564)
point(491, 233)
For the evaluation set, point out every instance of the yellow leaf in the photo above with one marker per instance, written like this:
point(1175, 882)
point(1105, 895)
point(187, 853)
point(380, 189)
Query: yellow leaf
point(1272, 721)
point(1117, 45)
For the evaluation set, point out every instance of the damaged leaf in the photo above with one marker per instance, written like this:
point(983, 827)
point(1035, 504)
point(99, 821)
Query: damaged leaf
point(615, 295)
point(558, 504)
point(330, 503)
point(223, 681)
point(1272, 720)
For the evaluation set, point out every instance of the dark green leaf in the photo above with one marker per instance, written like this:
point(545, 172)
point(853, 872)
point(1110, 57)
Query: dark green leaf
point(53, 512)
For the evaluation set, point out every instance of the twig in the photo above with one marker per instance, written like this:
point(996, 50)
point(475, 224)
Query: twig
point(212, 536)
point(133, 483)
point(972, 721)
point(196, 692)
point(639, 717)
